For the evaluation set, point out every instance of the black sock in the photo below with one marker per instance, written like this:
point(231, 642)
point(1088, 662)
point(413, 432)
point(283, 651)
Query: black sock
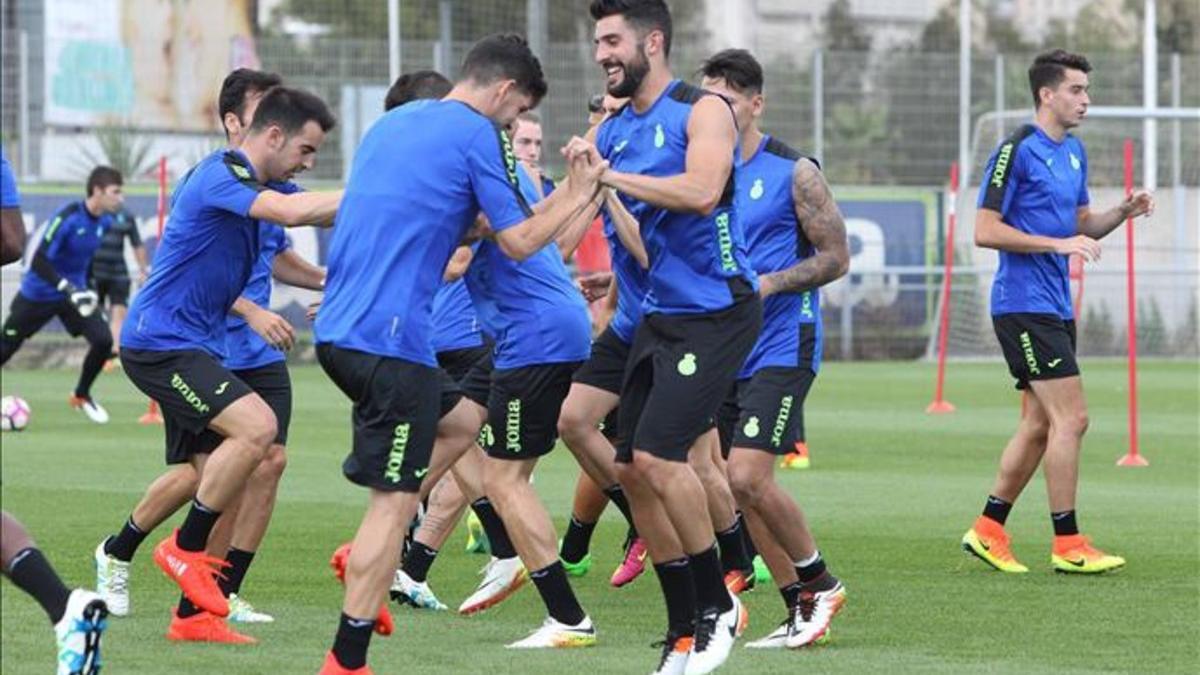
point(1064, 523)
point(239, 562)
point(733, 549)
point(552, 585)
point(351, 642)
point(126, 542)
point(193, 534)
point(616, 495)
point(418, 561)
point(93, 363)
point(679, 593)
point(32, 573)
point(502, 546)
point(791, 594)
point(709, 581)
point(187, 608)
point(577, 540)
point(748, 541)
point(997, 509)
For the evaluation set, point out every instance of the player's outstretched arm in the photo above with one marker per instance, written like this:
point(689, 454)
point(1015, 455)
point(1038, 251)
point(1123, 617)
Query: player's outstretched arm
point(297, 209)
point(12, 235)
point(628, 230)
point(712, 137)
point(821, 222)
point(292, 269)
point(1100, 225)
point(270, 326)
point(992, 232)
point(532, 234)
point(572, 235)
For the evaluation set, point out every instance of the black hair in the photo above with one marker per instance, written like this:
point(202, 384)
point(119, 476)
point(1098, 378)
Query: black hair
point(290, 109)
point(644, 15)
point(237, 85)
point(1049, 69)
point(418, 85)
point(101, 177)
point(595, 103)
point(738, 68)
point(505, 56)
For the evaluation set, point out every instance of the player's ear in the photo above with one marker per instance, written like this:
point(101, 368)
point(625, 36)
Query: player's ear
point(233, 125)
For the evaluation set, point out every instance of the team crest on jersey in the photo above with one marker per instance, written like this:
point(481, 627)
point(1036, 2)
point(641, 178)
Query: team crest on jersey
point(756, 190)
point(660, 138)
point(1075, 164)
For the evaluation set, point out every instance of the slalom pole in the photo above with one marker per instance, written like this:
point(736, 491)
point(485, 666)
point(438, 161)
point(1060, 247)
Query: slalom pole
point(940, 405)
point(1132, 457)
point(152, 415)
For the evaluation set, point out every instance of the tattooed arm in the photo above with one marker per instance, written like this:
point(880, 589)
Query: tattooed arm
point(822, 224)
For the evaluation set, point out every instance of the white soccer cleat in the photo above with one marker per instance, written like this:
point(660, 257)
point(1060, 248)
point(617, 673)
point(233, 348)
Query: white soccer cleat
point(501, 578)
point(78, 634)
point(241, 611)
point(675, 653)
point(112, 581)
point(415, 593)
point(94, 411)
point(715, 633)
point(555, 635)
point(814, 614)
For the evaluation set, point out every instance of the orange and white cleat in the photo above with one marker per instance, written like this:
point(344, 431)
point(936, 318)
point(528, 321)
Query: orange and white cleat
point(194, 572)
point(205, 627)
point(384, 624)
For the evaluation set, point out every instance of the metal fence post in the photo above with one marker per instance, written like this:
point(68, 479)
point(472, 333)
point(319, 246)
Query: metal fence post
point(1000, 103)
point(23, 98)
point(818, 102)
point(1177, 167)
point(393, 40)
point(537, 26)
point(445, 48)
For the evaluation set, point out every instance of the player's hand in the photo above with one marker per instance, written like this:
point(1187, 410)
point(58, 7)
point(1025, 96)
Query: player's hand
point(273, 328)
point(766, 285)
point(595, 286)
point(1080, 245)
point(85, 301)
point(1140, 203)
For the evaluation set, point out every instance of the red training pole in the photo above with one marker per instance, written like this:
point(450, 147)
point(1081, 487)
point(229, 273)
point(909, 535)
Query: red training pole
point(940, 405)
point(152, 415)
point(1131, 458)
point(1075, 273)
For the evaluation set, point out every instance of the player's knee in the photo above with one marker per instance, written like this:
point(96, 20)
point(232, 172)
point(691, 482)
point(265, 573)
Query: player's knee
point(746, 483)
point(259, 433)
point(572, 424)
point(1077, 422)
point(273, 465)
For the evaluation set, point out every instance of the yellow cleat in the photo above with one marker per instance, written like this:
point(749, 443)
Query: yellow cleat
point(797, 459)
point(988, 541)
point(1074, 554)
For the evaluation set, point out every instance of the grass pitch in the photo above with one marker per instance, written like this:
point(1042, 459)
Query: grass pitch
point(890, 493)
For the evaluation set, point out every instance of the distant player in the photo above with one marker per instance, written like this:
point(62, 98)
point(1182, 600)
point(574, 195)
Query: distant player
point(109, 274)
point(797, 242)
point(56, 284)
point(1035, 210)
point(403, 219)
point(175, 335)
point(673, 151)
point(527, 146)
point(78, 616)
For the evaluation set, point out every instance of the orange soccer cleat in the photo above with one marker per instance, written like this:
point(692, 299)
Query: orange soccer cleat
point(194, 572)
point(205, 627)
point(988, 541)
point(332, 667)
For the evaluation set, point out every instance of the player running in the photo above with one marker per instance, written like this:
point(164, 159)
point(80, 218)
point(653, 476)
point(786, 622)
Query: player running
point(109, 275)
point(403, 221)
point(797, 243)
point(672, 151)
point(78, 616)
point(1035, 210)
point(56, 284)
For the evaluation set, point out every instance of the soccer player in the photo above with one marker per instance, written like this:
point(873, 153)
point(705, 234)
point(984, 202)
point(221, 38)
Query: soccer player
point(1035, 210)
point(175, 335)
point(797, 242)
point(672, 151)
point(78, 616)
point(403, 220)
point(109, 274)
point(527, 146)
point(56, 284)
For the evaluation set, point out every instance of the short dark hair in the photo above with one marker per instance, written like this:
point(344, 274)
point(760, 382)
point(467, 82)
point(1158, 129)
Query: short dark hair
point(644, 15)
point(738, 68)
point(595, 103)
point(237, 85)
point(505, 56)
point(1049, 69)
point(290, 109)
point(418, 85)
point(101, 177)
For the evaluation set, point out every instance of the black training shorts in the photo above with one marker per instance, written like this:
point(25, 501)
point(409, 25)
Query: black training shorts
point(1036, 346)
point(523, 410)
point(112, 291)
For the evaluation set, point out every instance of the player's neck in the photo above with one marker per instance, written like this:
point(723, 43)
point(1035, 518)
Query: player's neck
point(1045, 121)
point(255, 155)
point(656, 82)
point(92, 206)
point(751, 138)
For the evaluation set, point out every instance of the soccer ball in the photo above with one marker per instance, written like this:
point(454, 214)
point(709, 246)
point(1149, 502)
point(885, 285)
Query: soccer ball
point(14, 413)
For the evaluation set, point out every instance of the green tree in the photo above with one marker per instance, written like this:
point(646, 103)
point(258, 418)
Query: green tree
point(843, 31)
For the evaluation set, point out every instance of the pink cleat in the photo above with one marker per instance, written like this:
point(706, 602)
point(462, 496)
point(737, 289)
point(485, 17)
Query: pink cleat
point(633, 565)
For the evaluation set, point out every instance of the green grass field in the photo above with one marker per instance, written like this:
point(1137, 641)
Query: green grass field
point(890, 493)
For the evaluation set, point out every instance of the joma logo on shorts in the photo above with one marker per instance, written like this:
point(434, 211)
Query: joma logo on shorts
point(188, 394)
point(785, 411)
point(1030, 360)
point(512, 426)
point(1001, 168)
point(725, 243)
point(806, 305)
point(396, 455)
